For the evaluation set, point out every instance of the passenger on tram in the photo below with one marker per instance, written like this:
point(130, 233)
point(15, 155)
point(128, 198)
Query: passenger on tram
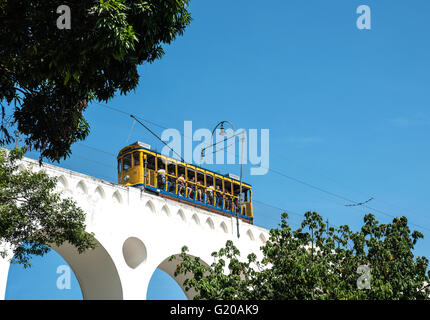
point(228, 203)
point(181, 185)
point(210, 194)
point(170, 184)
point(190, 189)
point(218, 197)
point(236, 207)
point(199, 191)
point(161, 178)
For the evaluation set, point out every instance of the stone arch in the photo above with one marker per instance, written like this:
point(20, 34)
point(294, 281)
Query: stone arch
point(181, 215)
point(81, 188)
point(165, 211)
point(96, 283)
point(169, 267)
point(99, 193)
point(262, 238)
point(63, 187)
point(210, 224)
point(149, 207)
point(117, 198)
point(97, 204)
point(62, 183)
point(223, 227)
point(250, 235)
point(195, 219)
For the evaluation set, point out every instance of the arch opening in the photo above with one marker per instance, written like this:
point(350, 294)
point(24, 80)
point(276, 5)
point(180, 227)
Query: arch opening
point(196, 220)
point(210, 224)
point(181, 216)
point(165, 211)
point(250, 235)
point(49, 278)
point(99, 194)
point(116, 198)
point(149, 207)
point(62, 183)
point(163, 277)
point(263, 239)
point(94, 271)
point(223, 227)
point(81, 188)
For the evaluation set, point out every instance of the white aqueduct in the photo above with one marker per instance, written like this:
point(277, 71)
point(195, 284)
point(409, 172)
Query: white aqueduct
point(136, 232)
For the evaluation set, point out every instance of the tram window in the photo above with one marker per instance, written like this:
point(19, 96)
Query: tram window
point(228, 200)
point(181, 171)
point(245, 195)
point(191, 179)
point(200, 186)
point(150, 161)
point(218, 194)
point(236, 189)
point(200, 178)
point(171, 169)
point(181, 181)
point(191, 175)
point(209, 180)
point(227, 185)
point(161, 164)
point(245, 192)
point(136, 159)
point(219, 184)
point(171, 177)
point(126, 162)
point(210, 189)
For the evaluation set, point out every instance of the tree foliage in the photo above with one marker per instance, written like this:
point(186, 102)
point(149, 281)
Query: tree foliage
point(49, 75)
point(33, 215)
point(316, 262)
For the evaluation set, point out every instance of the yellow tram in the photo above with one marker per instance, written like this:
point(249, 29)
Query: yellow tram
point(139, 166)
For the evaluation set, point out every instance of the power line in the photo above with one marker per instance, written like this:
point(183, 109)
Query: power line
point(95, 149)
point(155, 135)
point(278, 208)
point(357, 191)
point(286, 210)
point(129, 114)
point(358, 204)
point(94, 161)
point(79, 169)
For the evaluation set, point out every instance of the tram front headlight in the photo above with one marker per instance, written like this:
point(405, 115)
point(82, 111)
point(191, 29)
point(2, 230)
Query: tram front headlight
point(126, 178)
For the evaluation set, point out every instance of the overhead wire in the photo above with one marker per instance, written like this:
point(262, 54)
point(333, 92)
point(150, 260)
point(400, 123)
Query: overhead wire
point(357, 191)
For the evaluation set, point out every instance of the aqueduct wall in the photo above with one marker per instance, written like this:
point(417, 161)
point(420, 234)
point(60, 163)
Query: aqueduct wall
point(137, 232)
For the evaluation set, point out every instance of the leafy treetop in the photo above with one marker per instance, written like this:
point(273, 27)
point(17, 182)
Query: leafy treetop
point(316, 262)
point(49, 75)
point(33, 216)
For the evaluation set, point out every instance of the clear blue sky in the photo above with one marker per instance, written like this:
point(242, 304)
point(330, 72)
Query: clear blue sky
point(347, 109)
